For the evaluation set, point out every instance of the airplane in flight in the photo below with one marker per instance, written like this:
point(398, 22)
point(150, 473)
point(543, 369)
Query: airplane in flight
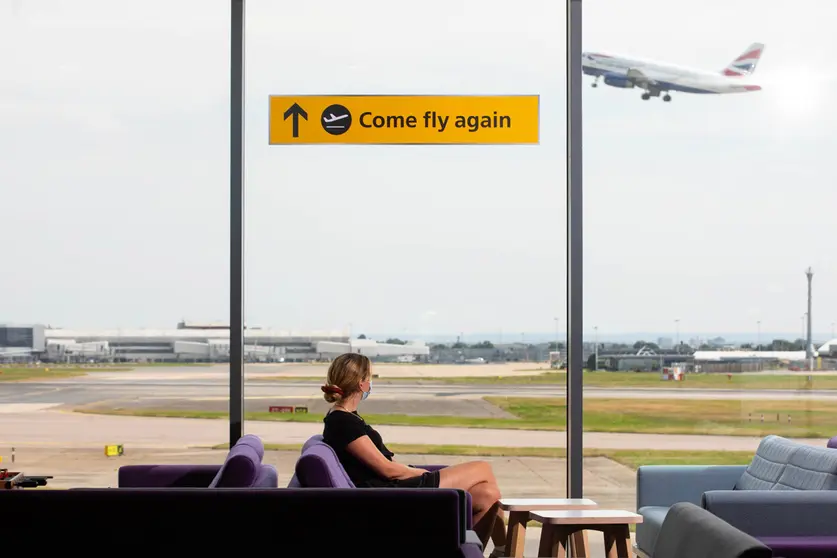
point(655, 78)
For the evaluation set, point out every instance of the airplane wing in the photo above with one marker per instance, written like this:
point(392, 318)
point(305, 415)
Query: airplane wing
point(640, 79)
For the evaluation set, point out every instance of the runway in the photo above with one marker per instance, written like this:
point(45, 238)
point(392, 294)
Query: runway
point(81, 391)
point(40, 413)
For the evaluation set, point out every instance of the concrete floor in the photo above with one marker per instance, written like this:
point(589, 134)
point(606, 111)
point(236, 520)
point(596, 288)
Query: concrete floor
point(533, 535)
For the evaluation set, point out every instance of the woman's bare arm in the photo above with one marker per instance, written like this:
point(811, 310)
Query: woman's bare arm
point(365, 451)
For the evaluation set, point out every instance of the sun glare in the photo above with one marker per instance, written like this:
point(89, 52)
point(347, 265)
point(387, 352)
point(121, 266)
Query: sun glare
point(795, 92)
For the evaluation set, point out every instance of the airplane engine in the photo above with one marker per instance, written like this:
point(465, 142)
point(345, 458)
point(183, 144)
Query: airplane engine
point(618, 81)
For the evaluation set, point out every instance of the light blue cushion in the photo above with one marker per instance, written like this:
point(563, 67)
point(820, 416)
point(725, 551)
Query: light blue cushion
point(810, 468)
point(648, 531)
point(768, 464)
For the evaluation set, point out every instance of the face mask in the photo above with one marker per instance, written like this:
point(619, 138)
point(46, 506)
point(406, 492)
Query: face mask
point(365, 394)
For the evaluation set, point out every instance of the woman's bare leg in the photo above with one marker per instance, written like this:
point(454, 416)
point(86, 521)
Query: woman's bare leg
point(498, 535)
point(485, 525)
point(477, 478)
point(465, 475)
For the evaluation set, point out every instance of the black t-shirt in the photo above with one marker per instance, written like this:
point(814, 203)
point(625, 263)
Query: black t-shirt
point(341, 429)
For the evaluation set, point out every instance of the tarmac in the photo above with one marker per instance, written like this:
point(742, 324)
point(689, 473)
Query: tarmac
point(126, 386)
point(49, 438)
point(31, 426)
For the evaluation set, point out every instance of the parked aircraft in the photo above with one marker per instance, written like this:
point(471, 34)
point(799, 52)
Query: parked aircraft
point(655, 77)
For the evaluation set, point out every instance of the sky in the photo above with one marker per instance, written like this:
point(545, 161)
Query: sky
point(114, 153)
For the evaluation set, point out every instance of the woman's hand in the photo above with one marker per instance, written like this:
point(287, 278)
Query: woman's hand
point(410, 472)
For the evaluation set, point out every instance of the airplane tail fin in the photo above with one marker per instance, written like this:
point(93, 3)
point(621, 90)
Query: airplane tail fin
point(745, 64)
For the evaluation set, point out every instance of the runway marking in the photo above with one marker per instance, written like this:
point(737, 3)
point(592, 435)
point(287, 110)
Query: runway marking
point(9, 408)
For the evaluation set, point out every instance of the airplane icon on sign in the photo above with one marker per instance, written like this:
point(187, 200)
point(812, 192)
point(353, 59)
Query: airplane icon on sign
point(332, 118)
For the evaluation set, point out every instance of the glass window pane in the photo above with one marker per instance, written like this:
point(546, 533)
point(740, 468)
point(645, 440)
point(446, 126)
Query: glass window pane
point(113, 181)
point(442, 263)
point(706, 136)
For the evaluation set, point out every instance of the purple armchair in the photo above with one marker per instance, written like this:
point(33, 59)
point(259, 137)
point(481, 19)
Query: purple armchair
point(243, 468)
point(318, 467)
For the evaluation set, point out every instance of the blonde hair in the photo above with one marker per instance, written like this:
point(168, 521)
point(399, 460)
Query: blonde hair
point(345, 375)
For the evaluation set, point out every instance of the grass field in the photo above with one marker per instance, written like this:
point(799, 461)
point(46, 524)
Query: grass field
point(683, 416)
point(615, 380)
point(808, 419)
point(629, 458)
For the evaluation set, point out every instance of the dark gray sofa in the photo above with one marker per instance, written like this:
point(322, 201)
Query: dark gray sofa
point(690, 531)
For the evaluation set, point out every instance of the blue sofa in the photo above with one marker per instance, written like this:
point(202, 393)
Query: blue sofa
point(786, 497)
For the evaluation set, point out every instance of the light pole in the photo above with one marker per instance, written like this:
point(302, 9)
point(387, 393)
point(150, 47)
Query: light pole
point(596, 347)
point(805, 315)
point(809, 341)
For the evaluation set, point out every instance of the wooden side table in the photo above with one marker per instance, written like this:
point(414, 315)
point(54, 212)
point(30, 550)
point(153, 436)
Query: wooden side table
point(519, 510)
point(559, 526)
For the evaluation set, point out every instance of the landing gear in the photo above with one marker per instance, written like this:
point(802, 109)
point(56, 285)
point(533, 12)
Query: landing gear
point(648, 94)
point(596, 81)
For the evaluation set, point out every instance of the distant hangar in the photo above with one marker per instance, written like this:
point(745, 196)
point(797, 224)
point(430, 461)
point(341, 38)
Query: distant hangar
point(186, 343)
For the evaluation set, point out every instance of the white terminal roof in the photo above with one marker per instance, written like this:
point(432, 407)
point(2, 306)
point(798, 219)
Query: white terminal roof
point(739, 355)
point(187, 333)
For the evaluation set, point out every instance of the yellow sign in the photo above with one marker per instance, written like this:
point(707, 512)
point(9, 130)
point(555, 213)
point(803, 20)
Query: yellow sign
point(114, 450)
point(404, 119)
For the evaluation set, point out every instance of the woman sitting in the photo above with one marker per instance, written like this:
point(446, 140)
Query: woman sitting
point(369, 463)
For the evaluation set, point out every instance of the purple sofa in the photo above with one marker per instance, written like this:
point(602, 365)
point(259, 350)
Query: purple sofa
point(282, 522)
point(318, 467)
point(243, 468)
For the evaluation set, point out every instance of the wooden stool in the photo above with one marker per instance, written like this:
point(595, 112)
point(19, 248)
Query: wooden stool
point(559, 526)
point(519, 509)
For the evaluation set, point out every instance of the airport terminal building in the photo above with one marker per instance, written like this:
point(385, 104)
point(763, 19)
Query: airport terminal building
point(186, 343)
